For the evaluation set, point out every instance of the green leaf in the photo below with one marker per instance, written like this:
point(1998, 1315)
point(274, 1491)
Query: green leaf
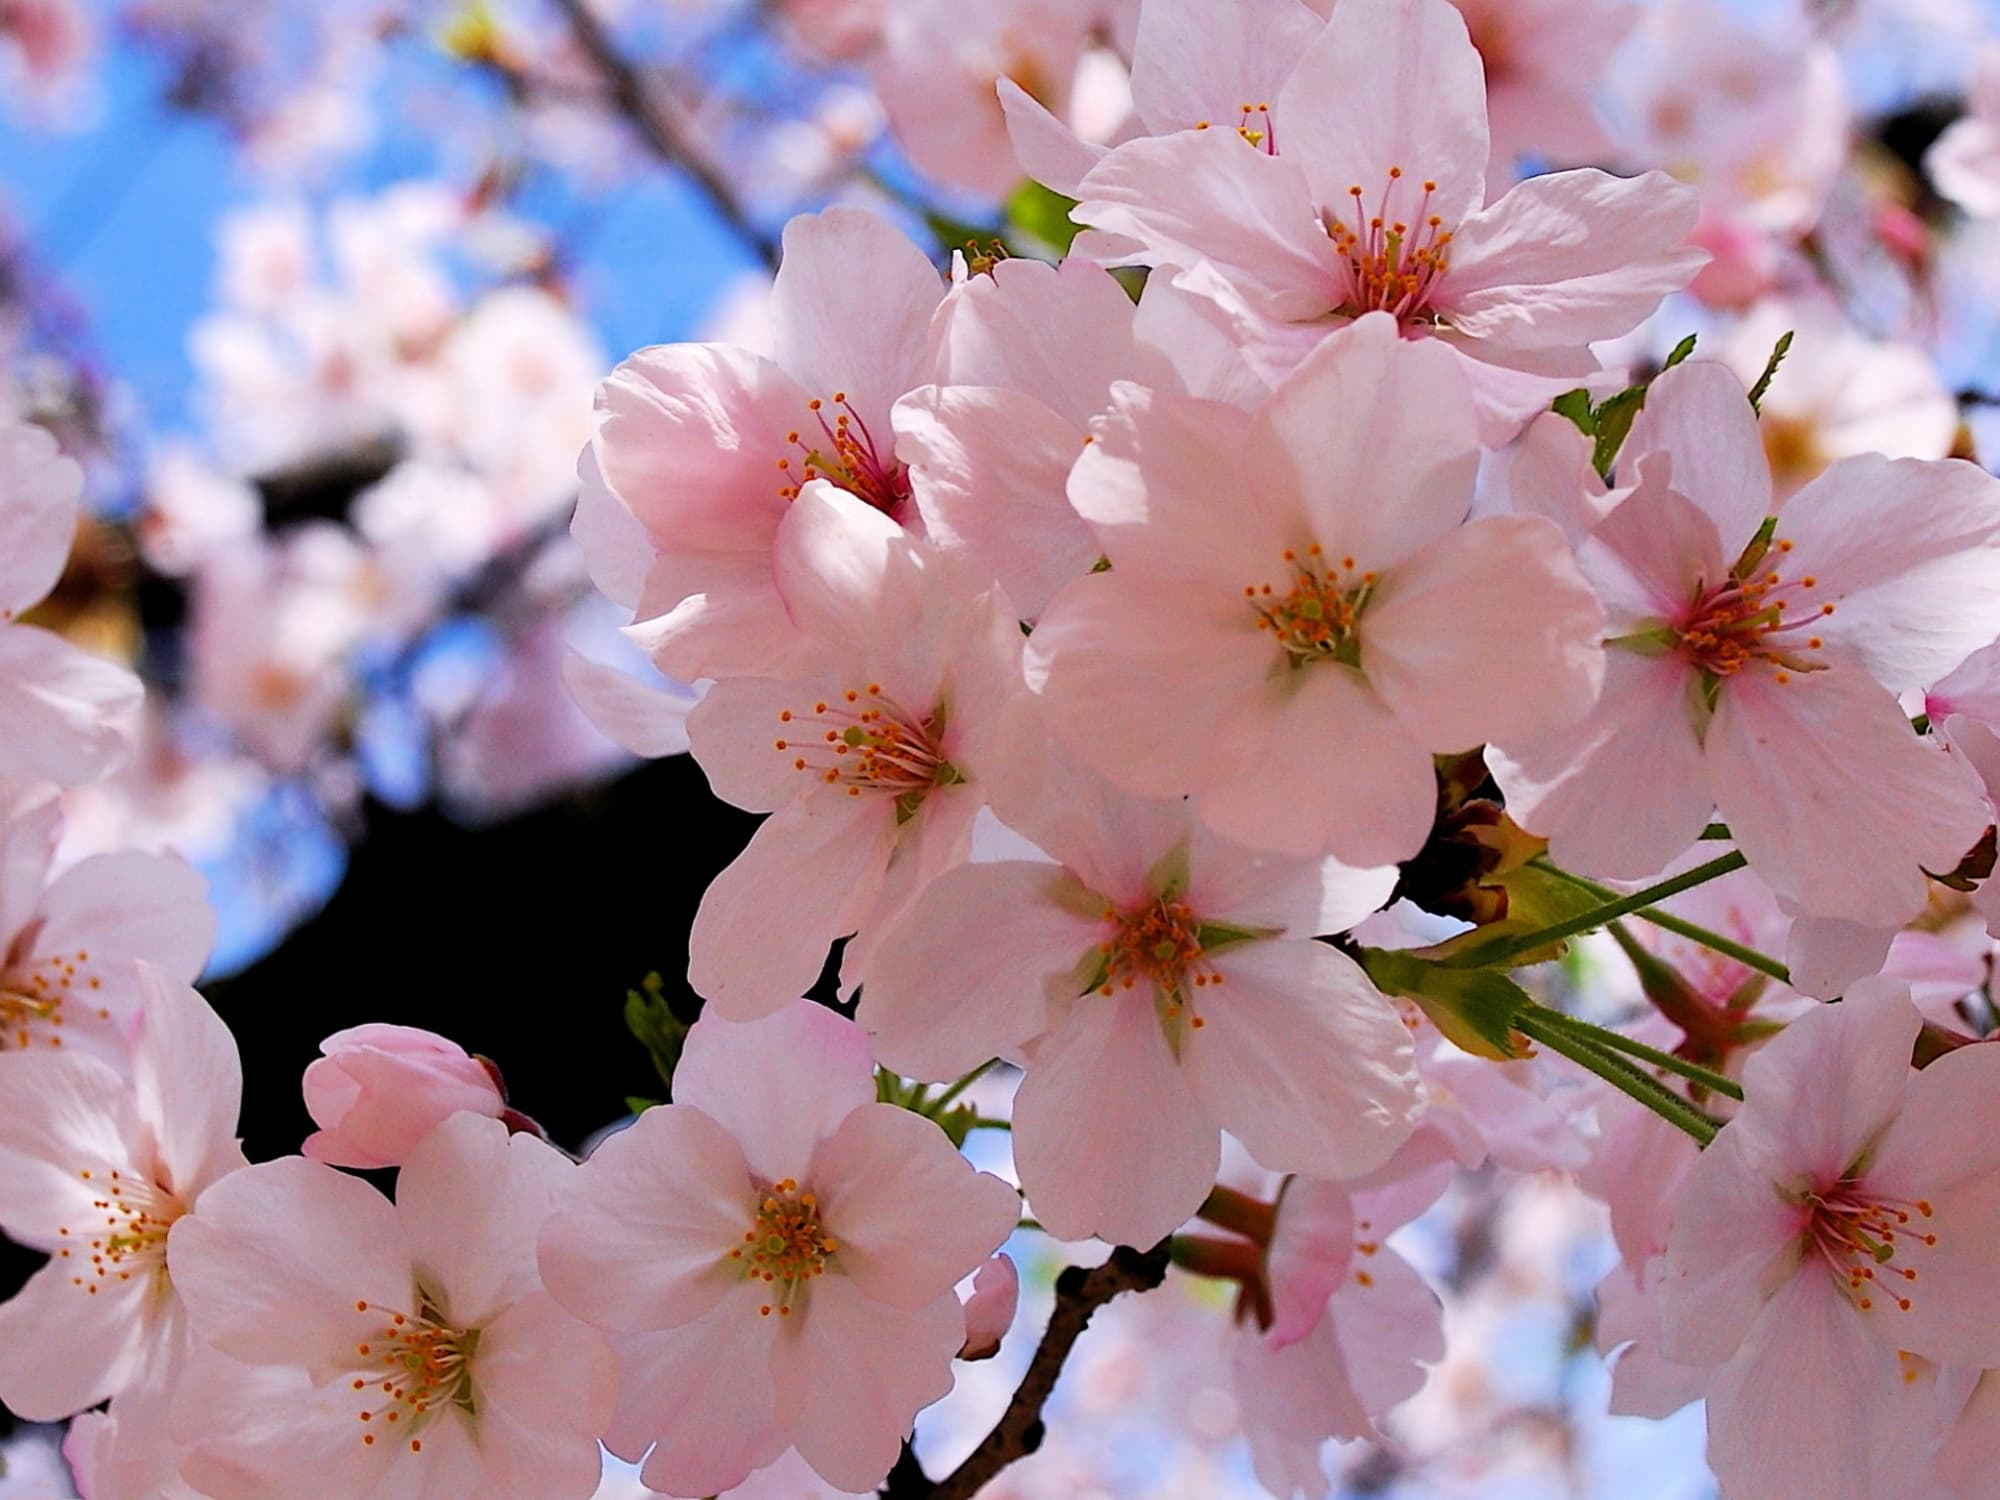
point(1681, 351)
point(1576, 406)
point(1041, 214)
point(1615, 417)
point(1474, 1008)
point(639, 1104)
point(1778, 353)
point(652, 1021)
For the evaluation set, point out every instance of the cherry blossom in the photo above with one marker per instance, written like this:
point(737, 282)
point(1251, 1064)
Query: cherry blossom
point(1842, 1219)
point(376, 1091)
point(97, 1171)
point(70, 716)
point(1740, 631)
point(1331, 621)
point(1364, 1328)
point(1370, 197)
point(1544, 61)
point(1165, 987)
point(773, 1255)
point(1027, 355)
point(71, 943)
point(709, 444)
point(408, 1347)
point(874, 766)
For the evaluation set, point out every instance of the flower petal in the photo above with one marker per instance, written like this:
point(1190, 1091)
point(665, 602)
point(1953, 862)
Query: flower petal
point(911, 1216)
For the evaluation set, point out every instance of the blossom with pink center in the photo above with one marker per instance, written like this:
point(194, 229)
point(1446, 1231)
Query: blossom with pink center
point(774, 1256)
point(1755, 649)
point(1027, 356)
point(1845, 1217)
point(1355, 1327)
point(70, 717)
point(1165, 986)
point(71, 945)
point(1297, 616)
point(708, 445)
point(96, 1170)
point(872, 766)
point(377, 1090)
point(408, 1347)
point(1964, 162)
point(1369, 196)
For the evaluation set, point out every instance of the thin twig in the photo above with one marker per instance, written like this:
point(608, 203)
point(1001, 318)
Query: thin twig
point(655, 120)
point(1080, 1291)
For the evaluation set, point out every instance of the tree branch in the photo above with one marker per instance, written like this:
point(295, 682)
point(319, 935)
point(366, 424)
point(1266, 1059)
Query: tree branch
point(658, 126)
point(1080, 1291)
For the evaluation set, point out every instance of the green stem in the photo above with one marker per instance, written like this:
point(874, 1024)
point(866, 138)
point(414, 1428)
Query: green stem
point(1748, 957)
point(982, 1123)
point(1597, 916)
point(1716, 831)
point(1031, 1224)
point(952, 1093)
point(1617, 1041)
point(1622, 1076)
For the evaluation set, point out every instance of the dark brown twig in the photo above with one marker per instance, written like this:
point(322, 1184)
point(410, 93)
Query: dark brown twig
point(656, 121)
point(1080, 1291)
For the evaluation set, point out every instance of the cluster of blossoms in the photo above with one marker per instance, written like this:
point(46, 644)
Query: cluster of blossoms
point(1184, 682)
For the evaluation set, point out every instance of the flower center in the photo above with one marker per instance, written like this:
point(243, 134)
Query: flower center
point(785, 1246)
point(844, 451)
point(416, 1365)
point(867, 743)
point(126, 1236)
point(1314, 620)
point(34, 994)
point(1393, 259)
point(1757, 614)
point(1159, 941)
point(1861, 1238)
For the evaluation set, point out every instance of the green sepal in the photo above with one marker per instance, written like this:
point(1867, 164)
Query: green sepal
point(652, 1021)
point(1474, 1008)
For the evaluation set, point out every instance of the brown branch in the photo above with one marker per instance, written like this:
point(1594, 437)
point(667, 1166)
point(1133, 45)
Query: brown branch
point(658, 125)
point(1080, 1291)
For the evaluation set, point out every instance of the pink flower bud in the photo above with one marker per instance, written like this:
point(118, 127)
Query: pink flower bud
point(380, 1089)
point(989, 1311)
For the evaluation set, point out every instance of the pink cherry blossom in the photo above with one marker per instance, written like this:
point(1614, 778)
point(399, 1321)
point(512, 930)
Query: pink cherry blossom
point(708, 444)
point(1325, 620)
point(774, 1256)
point(97, 1170)
point(1027, 356)
point(377, 1090)
point(408, 1348)
point(1368, 194)
point(70, 716)
point(1166, 987)
point(989, 1311)
point(873, 766)
point(1843, 1218)
point(1755, 670)
point(1366, 1324)
point(71, 943)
